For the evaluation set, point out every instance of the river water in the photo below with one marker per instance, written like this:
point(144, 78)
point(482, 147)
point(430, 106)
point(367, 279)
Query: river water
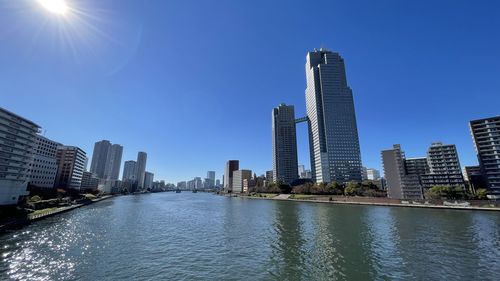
point(169, 236)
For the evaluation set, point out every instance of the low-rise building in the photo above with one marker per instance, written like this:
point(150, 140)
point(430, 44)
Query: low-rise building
point(238, 177)
point(90, 182)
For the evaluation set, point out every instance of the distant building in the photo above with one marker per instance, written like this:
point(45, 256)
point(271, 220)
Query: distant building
point(99, 158)
point(210, 179)
point(141, 169)
point(130, 171)
point(486, 136)
point(198, 183)
point(238, 177)
point(71, 165)
point(148, 180)
point(248, 185)
point(43, 170)
point(372, 174)
point(285, 166)
point(333, 133)
point(17, 146)
point(269, 176)
point(231, 166)
point(114, 161)
point(106, 160)
point(90, 182)
point(400, 184)
point(364, 173)
point(181, 185)
point(217, 183)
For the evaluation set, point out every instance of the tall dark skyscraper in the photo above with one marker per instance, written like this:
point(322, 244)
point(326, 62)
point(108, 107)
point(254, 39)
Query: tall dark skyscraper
point(285, 164)
point(333, 132)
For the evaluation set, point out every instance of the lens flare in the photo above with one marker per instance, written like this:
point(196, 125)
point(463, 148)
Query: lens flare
point(55, 6)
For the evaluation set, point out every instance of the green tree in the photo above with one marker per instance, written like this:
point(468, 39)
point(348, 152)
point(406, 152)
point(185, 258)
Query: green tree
point(481, 194)
point(351, 188)
point(438, 192)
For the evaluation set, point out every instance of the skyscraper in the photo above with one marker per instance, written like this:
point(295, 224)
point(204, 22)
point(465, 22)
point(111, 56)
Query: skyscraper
point(486, 136)
point(113, 162)
point(130, 171)
point(141, 168)
point(106, 160)
point(285, 164)
point(99, 158)
point(333, 133)
point(231, 166)
point(211, 179)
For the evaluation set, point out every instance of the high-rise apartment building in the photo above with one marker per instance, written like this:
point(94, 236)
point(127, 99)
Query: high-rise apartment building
point(210, 179)
point(71, 165)
point(17, 146)
point(113, 163)
point(231, 166)
point(443, 159)
point(148, 180)
point(486, 136)
point(400, 184)
point(416, 166)
point(333, 133)
point(141, 169)
point(444, 166)
point(106, 160)
point(99, 158)
point(130, 171)
point(238, 177)
point(285, 163)
point(43, 170)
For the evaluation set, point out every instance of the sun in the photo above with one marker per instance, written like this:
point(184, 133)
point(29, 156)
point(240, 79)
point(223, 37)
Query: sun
point(55, 6)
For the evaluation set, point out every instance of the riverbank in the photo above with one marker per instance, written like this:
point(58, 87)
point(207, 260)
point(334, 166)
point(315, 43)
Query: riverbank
point(20, 222)
point(373, 201)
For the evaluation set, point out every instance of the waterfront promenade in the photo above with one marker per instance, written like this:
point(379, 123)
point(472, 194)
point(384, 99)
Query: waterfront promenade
point(18, 222)
point(480, 205)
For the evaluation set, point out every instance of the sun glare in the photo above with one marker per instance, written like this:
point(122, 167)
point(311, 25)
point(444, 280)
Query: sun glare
point(55, 6)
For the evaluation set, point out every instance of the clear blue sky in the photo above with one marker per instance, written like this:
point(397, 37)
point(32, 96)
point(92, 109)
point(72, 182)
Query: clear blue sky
point(193, 83)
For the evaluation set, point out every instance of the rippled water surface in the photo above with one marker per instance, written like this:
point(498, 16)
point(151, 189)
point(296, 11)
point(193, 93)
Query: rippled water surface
point(187, 236)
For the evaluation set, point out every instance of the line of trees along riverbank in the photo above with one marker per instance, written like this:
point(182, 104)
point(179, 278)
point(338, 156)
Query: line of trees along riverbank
point(366, 189)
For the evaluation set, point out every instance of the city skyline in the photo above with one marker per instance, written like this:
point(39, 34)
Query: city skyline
point(388, 104)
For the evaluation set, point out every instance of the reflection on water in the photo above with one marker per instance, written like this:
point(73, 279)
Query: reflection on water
point(204, 237)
